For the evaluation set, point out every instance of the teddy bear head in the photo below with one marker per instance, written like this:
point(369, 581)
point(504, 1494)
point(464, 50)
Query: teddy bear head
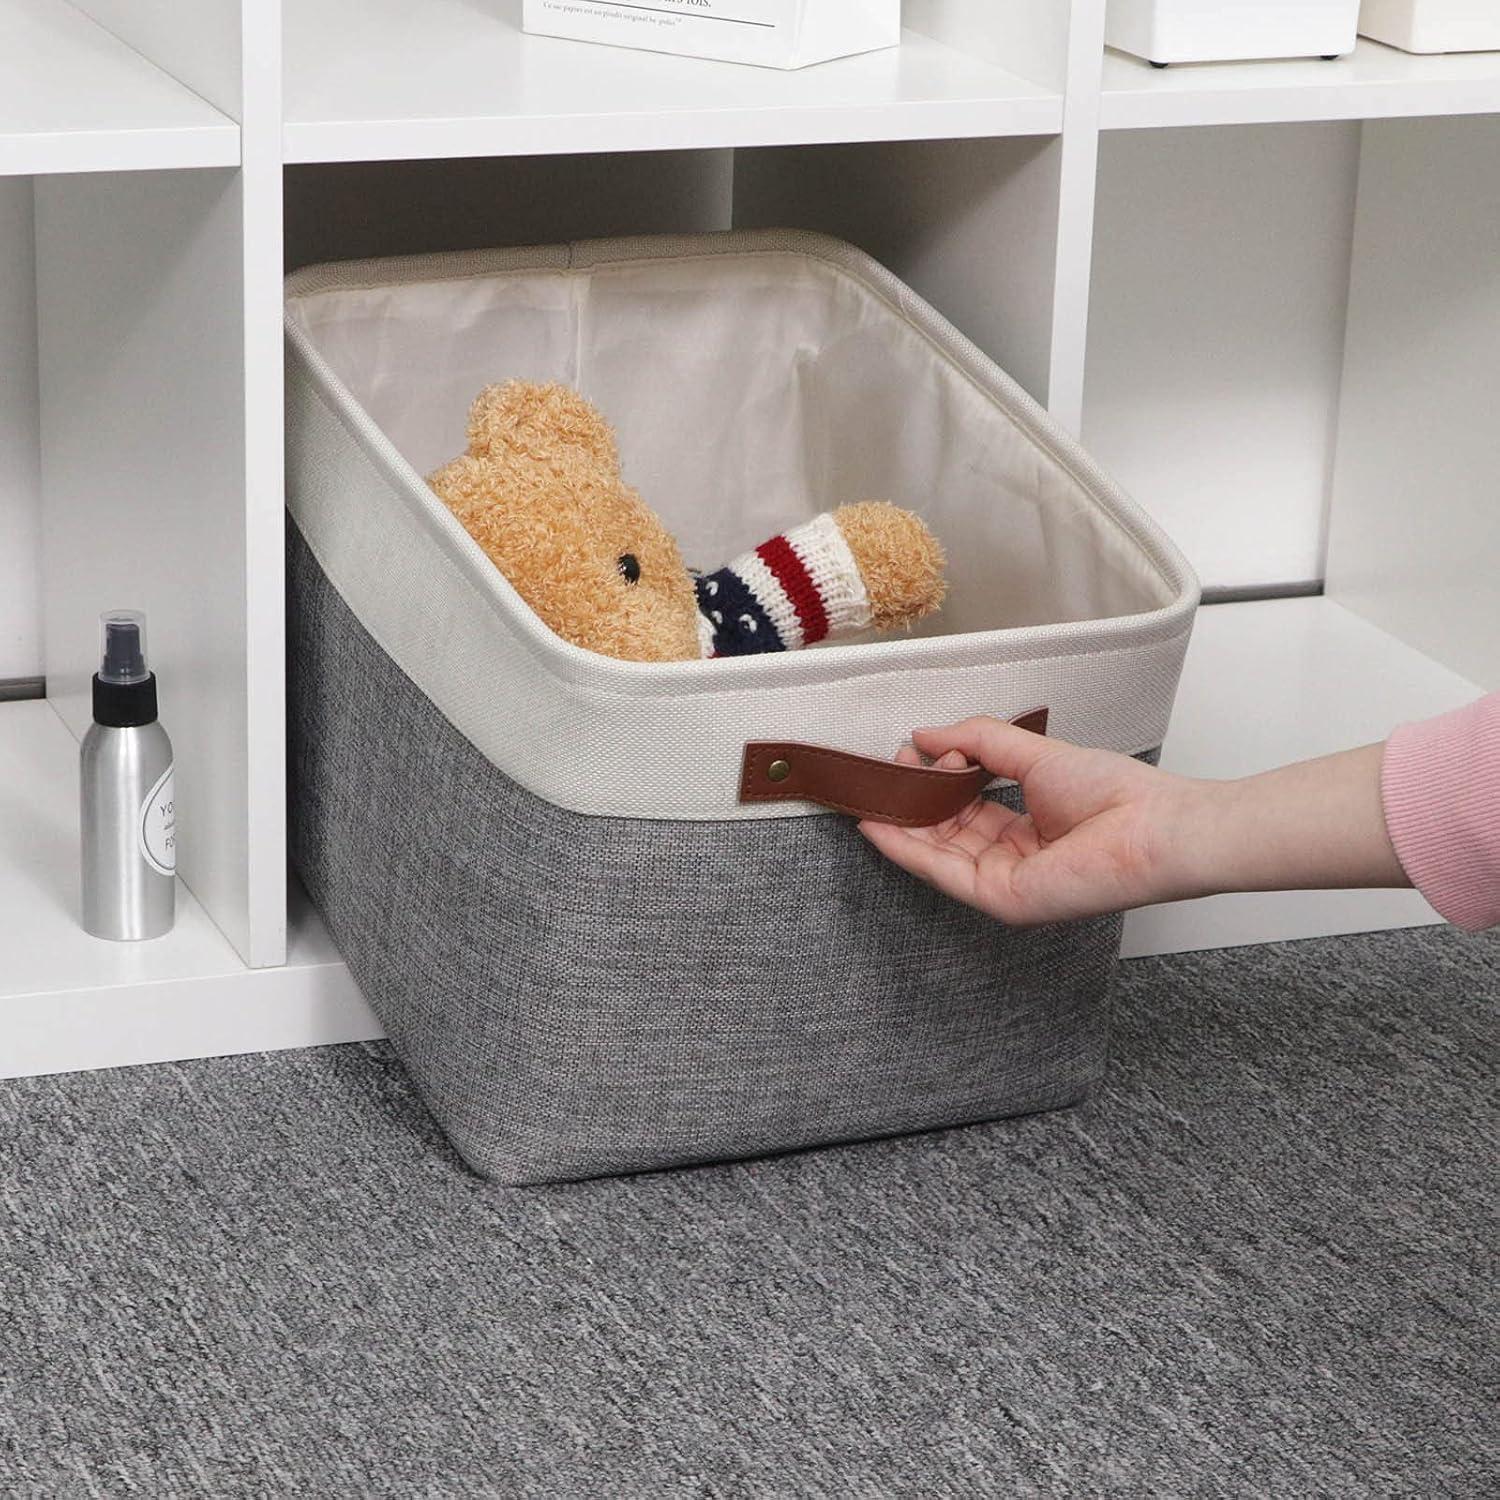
point(540, 491)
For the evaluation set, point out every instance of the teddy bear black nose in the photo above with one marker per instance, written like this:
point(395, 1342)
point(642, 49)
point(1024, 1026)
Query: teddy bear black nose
point(630, 567)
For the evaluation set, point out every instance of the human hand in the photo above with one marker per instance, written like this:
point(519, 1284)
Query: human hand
point(1103, 832)
point(1096, 837)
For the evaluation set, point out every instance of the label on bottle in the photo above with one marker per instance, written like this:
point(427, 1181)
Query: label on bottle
point(158, 826)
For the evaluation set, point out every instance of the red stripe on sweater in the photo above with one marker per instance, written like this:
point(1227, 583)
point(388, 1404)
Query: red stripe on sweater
point(791, 573)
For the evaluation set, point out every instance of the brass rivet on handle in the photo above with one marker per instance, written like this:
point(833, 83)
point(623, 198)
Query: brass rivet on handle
point(778, 770)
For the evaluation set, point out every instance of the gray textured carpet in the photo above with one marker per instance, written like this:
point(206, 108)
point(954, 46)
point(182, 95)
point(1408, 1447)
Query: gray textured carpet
point(1258, 1264)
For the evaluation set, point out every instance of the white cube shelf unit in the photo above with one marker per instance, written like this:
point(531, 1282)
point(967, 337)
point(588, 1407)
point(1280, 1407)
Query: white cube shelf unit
point(1266, 294)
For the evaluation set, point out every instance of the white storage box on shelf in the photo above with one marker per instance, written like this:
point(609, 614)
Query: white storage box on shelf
point(1186, 31)
point(554, 874)
point(771, 33)
point(1433, 25)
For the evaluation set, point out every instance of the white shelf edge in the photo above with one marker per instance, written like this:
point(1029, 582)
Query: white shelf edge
point(397, 140)
point(33, 155)
point(74, 98)
point(1273, 917)
point(1376, 82)
point(312, 1001)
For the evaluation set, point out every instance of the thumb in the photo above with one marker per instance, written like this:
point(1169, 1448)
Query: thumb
point(1001, 748)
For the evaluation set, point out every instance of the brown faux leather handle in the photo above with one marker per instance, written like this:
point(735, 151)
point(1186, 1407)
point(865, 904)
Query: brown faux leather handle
point(862, 785)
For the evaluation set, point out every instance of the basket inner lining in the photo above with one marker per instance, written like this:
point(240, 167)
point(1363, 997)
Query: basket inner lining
point(749, 393)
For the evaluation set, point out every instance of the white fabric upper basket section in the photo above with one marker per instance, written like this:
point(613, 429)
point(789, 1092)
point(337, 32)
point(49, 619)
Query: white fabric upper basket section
point(754, 379)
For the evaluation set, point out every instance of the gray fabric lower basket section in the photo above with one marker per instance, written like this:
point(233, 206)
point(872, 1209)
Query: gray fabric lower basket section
point(577, 996)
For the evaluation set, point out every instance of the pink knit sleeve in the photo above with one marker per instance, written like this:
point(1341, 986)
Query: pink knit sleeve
point(1441, 784)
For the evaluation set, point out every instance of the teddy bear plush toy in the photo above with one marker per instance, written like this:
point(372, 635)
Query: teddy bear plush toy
point(540, 490)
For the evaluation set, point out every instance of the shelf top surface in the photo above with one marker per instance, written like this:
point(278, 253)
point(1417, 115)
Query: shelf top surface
point(1374, 82)
point(1272, 681)
point(385, 79)
point(45, 949)
point(73, 98)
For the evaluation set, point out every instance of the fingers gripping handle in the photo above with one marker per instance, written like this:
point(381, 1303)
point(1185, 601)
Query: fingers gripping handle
point(862, 785)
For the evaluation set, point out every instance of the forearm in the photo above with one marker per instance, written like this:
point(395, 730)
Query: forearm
point(1319, 824)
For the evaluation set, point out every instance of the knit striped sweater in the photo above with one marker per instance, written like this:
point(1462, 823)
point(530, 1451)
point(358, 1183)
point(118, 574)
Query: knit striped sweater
point(794, 590)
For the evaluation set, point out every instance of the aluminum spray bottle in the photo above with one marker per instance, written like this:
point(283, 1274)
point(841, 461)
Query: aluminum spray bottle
point(128, 814)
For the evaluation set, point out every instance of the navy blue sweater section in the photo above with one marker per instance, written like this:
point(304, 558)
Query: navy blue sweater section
point(740, 624)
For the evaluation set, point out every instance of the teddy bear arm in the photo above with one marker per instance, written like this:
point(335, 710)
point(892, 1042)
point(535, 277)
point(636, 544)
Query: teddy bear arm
point(899, 559)
point(863, 565)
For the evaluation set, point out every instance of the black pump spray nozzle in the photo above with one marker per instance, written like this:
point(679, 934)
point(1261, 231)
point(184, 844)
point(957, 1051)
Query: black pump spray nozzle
point(123, 653)
point(124, 689)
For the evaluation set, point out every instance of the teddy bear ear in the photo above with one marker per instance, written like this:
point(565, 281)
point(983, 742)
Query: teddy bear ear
point(538, 420)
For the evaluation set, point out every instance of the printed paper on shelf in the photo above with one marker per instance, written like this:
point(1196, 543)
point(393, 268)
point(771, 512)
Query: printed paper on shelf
point(770, 33)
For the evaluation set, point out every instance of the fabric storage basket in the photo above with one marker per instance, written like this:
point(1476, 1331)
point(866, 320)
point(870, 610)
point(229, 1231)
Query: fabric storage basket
point(591, 955)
